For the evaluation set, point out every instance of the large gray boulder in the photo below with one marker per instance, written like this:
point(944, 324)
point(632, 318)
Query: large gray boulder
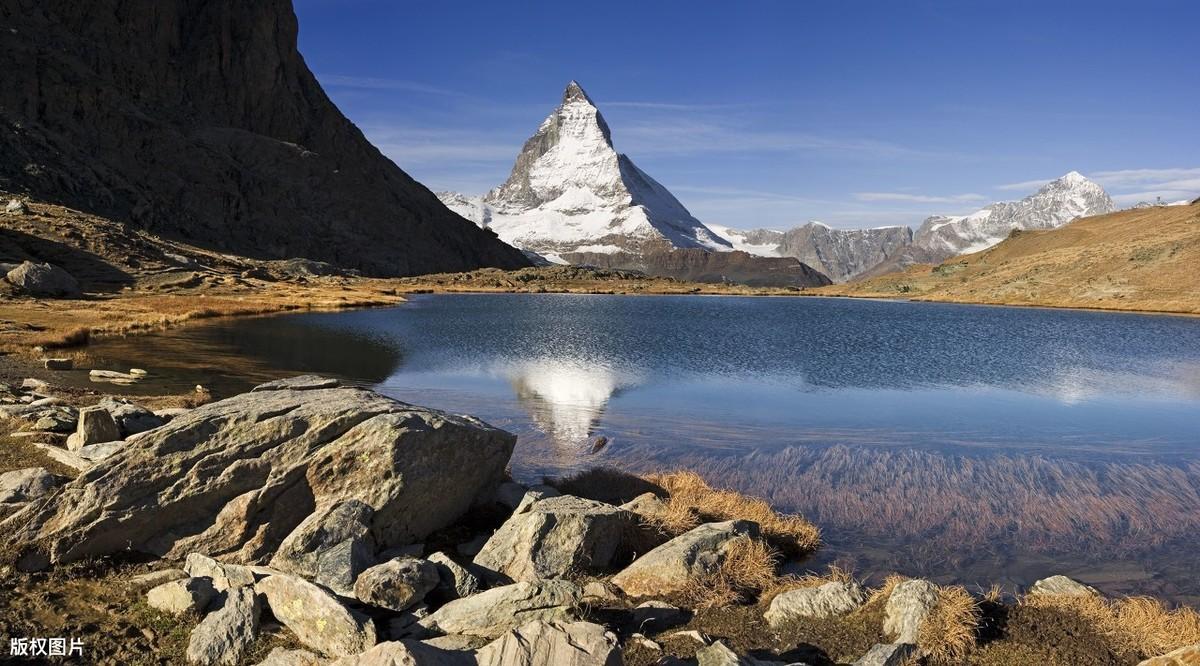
point(234, 478)
point(95, 426)
point(23, 485)
point(332, 546)
point(495, 611)
point(907, 607)
point(316, 617)
point(556, 537)
point(396, 584)
point(43, 280)
point(225, 634)
point(832, 599)
point(668, 568)
point(540, 643)
point(224, 576)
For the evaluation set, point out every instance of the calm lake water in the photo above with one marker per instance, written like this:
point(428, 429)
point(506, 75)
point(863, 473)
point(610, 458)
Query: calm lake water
point(972, 444)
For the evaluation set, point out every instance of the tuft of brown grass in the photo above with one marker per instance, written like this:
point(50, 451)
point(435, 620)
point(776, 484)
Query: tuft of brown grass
point(74, 337)
point(948, 632)
point(1140, 625)
point(749, 567)
point(690, 501)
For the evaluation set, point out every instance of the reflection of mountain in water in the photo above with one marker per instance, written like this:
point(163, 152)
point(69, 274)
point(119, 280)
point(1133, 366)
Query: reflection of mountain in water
point(565, 398)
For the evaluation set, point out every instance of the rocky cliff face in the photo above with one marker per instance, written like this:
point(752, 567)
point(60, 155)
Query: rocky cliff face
point(843, 254)
point(696, 265)
point(571, 191)
point(199, 120)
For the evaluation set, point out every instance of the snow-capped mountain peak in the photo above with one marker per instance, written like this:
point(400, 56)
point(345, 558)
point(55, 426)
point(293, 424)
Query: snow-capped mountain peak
point(570, 191)
point(1058, 202)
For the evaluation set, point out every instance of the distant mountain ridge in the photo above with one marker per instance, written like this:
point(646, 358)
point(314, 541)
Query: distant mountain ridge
point(571, 191)
point(199, 120)
point(848, 254)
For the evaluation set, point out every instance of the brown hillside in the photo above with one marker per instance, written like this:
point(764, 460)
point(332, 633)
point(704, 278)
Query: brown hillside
point(1141, 259)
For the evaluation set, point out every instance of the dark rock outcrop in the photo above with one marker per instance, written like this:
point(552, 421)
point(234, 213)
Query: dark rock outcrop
point(199, 120)
point(697, 265)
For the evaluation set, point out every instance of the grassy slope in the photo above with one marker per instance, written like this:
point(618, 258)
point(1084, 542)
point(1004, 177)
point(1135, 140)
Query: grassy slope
point(1143, 259)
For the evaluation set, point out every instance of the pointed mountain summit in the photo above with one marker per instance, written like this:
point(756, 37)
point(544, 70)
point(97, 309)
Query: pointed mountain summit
point(571, 191)
point(1055, 204)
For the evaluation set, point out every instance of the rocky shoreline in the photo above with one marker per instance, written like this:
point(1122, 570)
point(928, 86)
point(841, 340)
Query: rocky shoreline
point(344, 527)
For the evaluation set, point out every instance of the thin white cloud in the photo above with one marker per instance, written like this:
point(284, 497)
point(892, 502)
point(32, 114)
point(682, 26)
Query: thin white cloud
point(1131, 177)
point(918, 198)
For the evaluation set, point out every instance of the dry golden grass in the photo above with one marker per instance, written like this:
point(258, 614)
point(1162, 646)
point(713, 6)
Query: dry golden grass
point(1136, 624)
point(690, 500)
point(948, 632)
point(749, 567)
point(1141, 259)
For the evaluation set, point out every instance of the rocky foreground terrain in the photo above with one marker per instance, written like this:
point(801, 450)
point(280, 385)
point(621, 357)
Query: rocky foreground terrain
point(309, 523)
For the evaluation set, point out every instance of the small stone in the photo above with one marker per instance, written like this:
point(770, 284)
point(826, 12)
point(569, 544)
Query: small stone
point(396, 584)
point(656, 616)
point(887, 654)
point(224, 635)
point(316, 617)
point(495, 611)
point(284, 657)
point(16, 207)
point(407, 623)
point(907, 607)
point(95, 426)
point(832, 599)
point(454, 581)
point(646, 505)
point(223, 576)
point(138, 372)
point(1061, 586)
point(187, 595)
point(156, 578)
point(692, 635)
point(406, 653)
point(58, 363)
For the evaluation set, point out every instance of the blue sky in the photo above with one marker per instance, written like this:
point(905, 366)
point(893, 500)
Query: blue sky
point(775, 113)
